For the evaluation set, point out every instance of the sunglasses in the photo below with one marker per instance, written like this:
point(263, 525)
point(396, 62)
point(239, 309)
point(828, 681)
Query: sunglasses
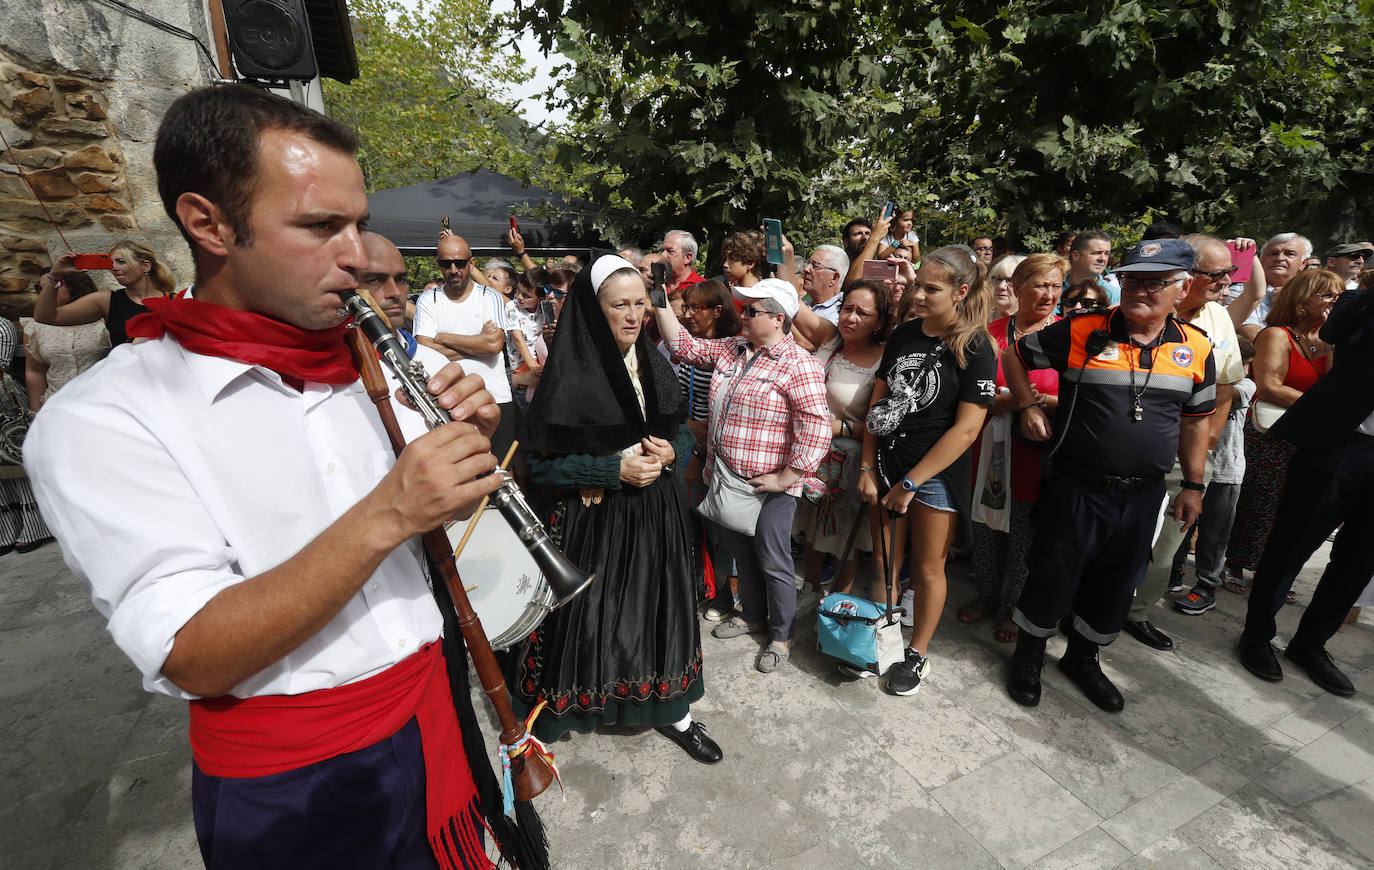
point(554, 292)
point(749, 312)
point(454, 264)
point(1218, 277)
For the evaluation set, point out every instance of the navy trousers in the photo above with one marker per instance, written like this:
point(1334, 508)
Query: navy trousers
point(1089, 553)
point(1325, 488)
point(364, 810)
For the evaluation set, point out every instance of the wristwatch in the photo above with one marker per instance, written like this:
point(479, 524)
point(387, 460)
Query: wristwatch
point(1195, 486)
point(908, 485)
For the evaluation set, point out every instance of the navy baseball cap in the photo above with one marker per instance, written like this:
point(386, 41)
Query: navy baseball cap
point(1158, 255)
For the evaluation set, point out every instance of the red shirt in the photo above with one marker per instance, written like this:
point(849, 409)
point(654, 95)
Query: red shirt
point(1025, 456)
point(692, 278)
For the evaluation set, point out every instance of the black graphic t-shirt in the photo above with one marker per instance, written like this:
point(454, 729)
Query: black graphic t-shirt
point(931, 402)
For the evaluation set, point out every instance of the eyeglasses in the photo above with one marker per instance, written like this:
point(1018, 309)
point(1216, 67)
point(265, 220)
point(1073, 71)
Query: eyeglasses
point(812, 264)
point(748, 312)
point(454, 264)
point(1217, 277)
point(1130, 283)
point(983, 248)
point(1328, 296)
point(693, 308)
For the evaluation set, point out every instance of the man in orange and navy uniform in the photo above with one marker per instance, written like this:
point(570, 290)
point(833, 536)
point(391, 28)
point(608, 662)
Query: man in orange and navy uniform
point(1137, 385)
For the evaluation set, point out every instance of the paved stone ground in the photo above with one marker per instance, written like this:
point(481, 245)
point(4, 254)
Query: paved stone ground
point(1206, 767)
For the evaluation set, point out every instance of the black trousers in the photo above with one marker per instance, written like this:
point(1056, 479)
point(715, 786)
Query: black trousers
point(1089, 553)
point(1325, 488)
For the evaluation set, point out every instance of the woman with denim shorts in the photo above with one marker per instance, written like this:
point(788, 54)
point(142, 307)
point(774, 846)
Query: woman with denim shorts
point(931, 394)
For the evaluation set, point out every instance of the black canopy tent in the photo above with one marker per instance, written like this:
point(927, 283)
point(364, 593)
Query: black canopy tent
point(479, 206)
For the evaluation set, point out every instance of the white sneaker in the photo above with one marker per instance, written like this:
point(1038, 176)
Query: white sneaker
point(908, 605)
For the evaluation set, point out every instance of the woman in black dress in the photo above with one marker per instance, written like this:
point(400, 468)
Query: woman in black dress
point(607, 444)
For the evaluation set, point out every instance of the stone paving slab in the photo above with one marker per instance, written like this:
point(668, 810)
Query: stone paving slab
point(1206, 767)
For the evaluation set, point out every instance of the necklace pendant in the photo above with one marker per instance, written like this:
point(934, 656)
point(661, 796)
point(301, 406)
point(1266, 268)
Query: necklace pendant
point(1136, 413)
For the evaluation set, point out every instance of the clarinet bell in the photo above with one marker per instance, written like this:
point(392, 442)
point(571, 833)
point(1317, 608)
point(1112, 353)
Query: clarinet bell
point(565, 579)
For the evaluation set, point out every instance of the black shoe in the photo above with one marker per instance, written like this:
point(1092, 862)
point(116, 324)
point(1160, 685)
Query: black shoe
point(1175, 581)
point(1200, 600)
point(1080, 665)
point(1023, 681)
point(695, 741)
point(1145, 632)
point(1260, 660)
point(1320, 667)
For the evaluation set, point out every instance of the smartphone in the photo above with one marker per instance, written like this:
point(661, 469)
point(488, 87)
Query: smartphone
point(882, 270)
point(1244, 261)
point(85, 262)
point(443, 222)
point(512, 224)
point(772, 232)
point(658, 280)
point(887, 210)
point(546, 311)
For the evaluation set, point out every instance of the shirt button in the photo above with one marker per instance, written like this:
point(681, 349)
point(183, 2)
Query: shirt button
point(376, 587)
point(331, 467)
point(402, 643)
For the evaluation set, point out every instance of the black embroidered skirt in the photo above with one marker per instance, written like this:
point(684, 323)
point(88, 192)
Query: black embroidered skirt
point(627, 650)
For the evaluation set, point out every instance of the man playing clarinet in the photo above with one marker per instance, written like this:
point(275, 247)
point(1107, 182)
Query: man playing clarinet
point(229, 493)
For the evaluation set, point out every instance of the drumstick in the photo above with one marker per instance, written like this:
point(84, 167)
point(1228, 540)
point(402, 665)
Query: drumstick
point(482, 506)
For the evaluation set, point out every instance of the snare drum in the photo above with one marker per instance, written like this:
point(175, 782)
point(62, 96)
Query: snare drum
point(511, 597)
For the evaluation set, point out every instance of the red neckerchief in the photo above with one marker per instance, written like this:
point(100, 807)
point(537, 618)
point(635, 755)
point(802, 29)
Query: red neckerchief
point(315, 355)
point(270, 734)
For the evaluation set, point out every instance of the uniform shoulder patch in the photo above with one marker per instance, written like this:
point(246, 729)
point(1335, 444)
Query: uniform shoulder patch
point(1182, 356)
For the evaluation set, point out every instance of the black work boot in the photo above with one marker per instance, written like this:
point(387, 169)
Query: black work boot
point(1023, 681)
point(1080, 665)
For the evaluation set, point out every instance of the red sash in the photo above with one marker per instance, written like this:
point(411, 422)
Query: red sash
point(252, 737)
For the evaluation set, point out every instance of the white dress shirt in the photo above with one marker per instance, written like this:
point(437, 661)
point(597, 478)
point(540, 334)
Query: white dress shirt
point(168, 476)
point(436, 313)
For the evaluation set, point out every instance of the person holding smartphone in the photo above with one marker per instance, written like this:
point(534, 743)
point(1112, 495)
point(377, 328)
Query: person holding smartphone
point(139, 274)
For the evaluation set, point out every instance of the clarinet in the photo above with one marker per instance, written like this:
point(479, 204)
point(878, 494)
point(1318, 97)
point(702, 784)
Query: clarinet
point(564, 578)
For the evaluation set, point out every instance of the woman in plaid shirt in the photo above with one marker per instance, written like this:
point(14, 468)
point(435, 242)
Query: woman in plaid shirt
point(771, 425)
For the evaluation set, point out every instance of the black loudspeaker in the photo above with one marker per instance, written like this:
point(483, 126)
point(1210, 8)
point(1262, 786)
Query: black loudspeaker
point(270, 39)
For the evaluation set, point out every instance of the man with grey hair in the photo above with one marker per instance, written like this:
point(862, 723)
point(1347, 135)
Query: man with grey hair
point(821, 278)
point(679, 252)
point(1139, 386)
point(1282, 258)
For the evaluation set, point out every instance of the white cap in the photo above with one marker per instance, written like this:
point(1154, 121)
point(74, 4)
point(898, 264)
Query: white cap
point(606, 266)
point(772, 288)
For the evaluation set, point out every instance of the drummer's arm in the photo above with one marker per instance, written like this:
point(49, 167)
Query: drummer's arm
point(575, 470)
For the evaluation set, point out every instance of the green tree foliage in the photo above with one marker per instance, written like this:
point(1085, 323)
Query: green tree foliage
point(427, 100)
point(713, 116)
point(986, 115)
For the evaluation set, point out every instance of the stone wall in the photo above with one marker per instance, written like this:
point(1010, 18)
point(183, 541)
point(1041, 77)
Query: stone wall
point(83, 86)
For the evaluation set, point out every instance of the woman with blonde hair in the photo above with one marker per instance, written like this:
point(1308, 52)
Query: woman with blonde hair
point(137, 270)
point(931, 394)
point(1008, 483)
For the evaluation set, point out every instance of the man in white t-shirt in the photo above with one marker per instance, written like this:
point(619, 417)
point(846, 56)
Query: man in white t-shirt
point(1210, 276)
point(466, 322)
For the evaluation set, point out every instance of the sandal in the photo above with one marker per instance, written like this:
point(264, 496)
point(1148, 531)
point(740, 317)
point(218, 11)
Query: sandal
point(1006, 632)
point(971, 613)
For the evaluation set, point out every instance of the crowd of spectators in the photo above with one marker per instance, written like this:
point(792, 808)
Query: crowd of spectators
point(883, 416)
